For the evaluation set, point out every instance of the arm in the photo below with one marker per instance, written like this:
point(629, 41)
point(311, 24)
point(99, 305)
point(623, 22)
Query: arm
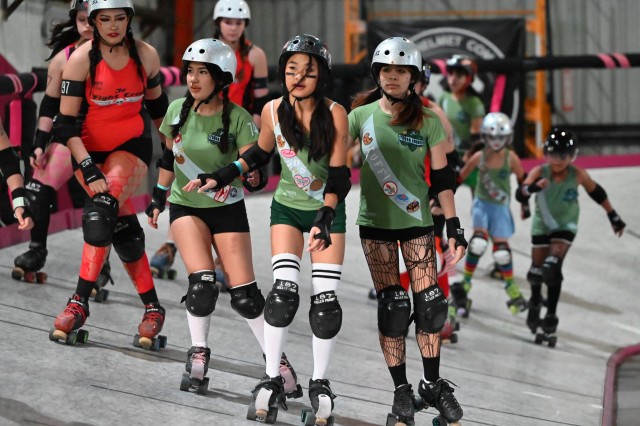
point(598, 194)
point(534, 182)
point(470, 166)
point(155, 100)
point(258, 59)
point(518, 170)
point(166, 176)
point(10, 170)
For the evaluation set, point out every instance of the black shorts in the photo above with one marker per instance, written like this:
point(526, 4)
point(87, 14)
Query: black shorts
point(394, 235)
point(545, 239)
point(229, 218)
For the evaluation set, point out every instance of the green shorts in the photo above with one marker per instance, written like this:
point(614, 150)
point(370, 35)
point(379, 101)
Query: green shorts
point(303, 219)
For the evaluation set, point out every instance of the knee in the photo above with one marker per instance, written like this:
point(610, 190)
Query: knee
point(247, 300)
point(394, 311)
point(552, 271)
point(478, 244)
point(502, 253)
point(202, 294)
point(128, 239)
point(431, 309)
point(325, 315)
point(99, 220)
point(534, 276)
point(282, 303)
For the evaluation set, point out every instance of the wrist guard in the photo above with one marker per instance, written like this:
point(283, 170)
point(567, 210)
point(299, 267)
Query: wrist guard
point(158, 201)
point(617, 223)
point(223, 176)
point(41, 141)
point(324, 220)
point(90, 171)
point(264, 179)
point(456, 232)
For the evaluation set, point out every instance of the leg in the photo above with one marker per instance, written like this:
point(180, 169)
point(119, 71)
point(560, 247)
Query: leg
point(502, 258)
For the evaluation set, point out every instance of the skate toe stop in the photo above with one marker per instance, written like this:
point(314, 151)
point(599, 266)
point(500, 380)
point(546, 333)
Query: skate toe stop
point(145, 342)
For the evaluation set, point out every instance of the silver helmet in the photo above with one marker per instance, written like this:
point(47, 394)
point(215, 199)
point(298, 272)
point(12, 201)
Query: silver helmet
point(396, 51)
point(305, 43)
point(95, 5)
point(496, 130)
point(234, 9)
point(214, 52)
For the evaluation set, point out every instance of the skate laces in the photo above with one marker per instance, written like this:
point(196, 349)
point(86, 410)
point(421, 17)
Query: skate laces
point(403, 398)
point(446, 398)
point(76, 306)
point(324, 388)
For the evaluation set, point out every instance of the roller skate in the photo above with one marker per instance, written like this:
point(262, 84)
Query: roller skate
point(451, 325)
point(516, 304)
point(292, 389)
point(405, 405)
point(29, 264)
point(321, 404)
point(67, 325)
point(459, 291)
point(549, 326)
point(196, 367)
point(439, 395)
point(151, 325)
point(496, 273)
point(533, 317)
point(99, 293)
point(162, 260)
point(266, 398)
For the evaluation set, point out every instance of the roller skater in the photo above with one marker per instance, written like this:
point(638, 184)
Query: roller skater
point(28, 265)
point(196, 369)
point(266, 398)
point(67, 326)
point(149, 329)
point(492, 217)
point(162, 261)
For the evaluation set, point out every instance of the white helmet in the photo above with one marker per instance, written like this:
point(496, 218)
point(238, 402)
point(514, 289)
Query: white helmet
point(396, 51)
point(214, 52)
point(496, 130)
point(235, 9)
point(95, 5)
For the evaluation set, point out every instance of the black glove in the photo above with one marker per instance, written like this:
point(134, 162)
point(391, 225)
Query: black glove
point(20, 199)
point(323, 220)
point(90, 172)
point(264, 179)
point(617, 223)
point(41, 141)
point(526, 211)
point(534, 187)
point(454, 231)
point(158, 201)
point(223, 176)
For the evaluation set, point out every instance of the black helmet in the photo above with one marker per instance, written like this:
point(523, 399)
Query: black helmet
point(464, 64)
point(305, 43)
point(562, 143)
point(76, 6)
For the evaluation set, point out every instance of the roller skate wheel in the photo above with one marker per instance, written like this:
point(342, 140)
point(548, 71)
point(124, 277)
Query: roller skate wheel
point(203, 387)
point(272, 415)
point(552, 341)
point(457, 326)
point(29, 277)
point(101, 296)
point(439, 421)
point(17, 273)
point(539, 339)
point(185, 382)
point(163, 341)
point(251, 411)
point(454, 338)
point(83, 336)
point(136, 341)
point(41, 277)
point(71, 338)
point(393, 420)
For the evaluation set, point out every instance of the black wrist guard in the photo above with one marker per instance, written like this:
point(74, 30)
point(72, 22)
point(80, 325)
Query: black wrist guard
point(223, 176)
point(456, 232)
point(158, 201)
point(324, 220)
point(264, 179)
point(520, 195)
point(534, 187)
point(90, 171)
point(9, 162)
point(454, 160)
point(617, 223)
point(19, 199)
point(41, 141)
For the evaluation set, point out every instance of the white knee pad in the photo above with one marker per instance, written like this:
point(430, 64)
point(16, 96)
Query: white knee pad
point(478, 245)
point(502, 257)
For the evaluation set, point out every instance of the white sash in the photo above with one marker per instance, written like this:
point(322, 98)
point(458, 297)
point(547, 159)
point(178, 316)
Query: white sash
point(390, 184)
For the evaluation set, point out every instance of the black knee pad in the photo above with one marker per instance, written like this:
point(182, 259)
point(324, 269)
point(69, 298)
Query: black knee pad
point(431, 309)
point(534, 276)
point(99, 220)
point(247, 300)
point(202, 295)
point(128, 238)
point(394, 311)
point(282, 303)
point(325, 315)
point(552, 271)
point(40, 197)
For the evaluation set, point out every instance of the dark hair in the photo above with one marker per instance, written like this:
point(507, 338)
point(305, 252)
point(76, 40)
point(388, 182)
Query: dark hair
point(244, 46)
point(95, 55)
point(322, 127)
point(218, 76)
point(62, 35)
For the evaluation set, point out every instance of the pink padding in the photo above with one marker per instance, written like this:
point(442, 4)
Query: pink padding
point(607, 60)
point(610, 409)
point(15, 123)
point(622, 60)
point(498, 93)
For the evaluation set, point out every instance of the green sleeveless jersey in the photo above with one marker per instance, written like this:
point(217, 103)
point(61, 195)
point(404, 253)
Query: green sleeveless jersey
point(494, 185)
point(393, 191)
point(460, 113)
point(199, 136)
point(557, 207)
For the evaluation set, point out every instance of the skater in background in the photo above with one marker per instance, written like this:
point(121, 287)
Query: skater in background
point(205, 131)
point(491, 212)
point(116, 74)
point(10, 172)
point(51, 161)
point(555, 223)
point(395, 133)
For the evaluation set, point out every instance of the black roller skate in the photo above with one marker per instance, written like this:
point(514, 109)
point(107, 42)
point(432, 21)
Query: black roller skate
point(321, 404)
point(462, 303)
point(148, 331)
point(405, 405)
point(162, 261)
point(549, 326)
point(533, 317)
point(266, 397)
point(66, 326)
point(197, 367)
point(99, 293)
point(439, 395)
point(29, 264)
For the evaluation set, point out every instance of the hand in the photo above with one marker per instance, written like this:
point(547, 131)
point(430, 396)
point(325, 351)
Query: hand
point(252, 178)
point(21, 211)
point(156, 206)
point(537, 186)
point(455, 236)
point(209, 184)
point(256, 180)
point(93, 176)
point(617, 223)
point(25, 222)
point(38, 159)
point(320, 233)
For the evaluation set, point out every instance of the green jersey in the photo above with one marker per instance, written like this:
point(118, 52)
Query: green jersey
point(393, 191)
point(460, 113)
point(494, 185)
point(196, 151)
point(557, 207)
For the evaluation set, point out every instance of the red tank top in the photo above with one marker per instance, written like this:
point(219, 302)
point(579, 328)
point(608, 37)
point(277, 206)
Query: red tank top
point(239, 91)
point(115, 102)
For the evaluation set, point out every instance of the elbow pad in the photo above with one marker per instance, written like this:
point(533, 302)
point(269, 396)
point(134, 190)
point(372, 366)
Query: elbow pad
point(443, 179)
point(338, 182)
point(9, 162)
point(65, 128)
point(598, 194)
point(167, 159)
point(49, 107)
point(157, 107)
point(256, 157)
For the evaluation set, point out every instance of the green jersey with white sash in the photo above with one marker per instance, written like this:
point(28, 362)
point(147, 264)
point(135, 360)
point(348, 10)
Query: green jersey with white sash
point(302, 181)
point(557, 207)
point(195, 152)
point(393, 191)
point(494, 185)
point(460, 113)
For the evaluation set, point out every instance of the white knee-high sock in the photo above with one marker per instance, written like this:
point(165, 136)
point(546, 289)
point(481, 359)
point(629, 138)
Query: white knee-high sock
point(286, 266)
point(324, 277)
point(199, 329)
